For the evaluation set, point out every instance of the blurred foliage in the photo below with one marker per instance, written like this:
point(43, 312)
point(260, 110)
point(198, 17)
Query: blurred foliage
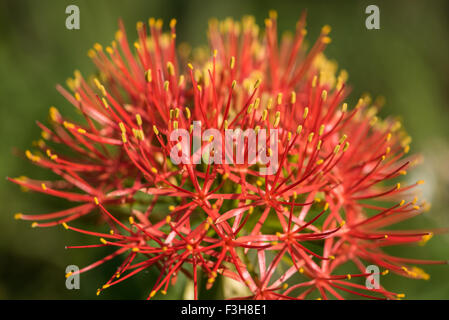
point(405, 61)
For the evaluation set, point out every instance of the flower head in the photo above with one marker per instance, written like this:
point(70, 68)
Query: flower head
point(280, 234)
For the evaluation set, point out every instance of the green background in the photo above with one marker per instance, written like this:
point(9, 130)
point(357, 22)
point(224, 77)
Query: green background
point(406, 61)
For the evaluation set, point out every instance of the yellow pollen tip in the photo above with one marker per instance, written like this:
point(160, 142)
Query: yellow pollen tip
point(34, 225)
point(96, 201)
point(103, 241)
point(135, 249)
point(18, 216)
point(168, 219)
point(65, 225)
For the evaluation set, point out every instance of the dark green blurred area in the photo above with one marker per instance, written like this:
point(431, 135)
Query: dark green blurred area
point(406, 61)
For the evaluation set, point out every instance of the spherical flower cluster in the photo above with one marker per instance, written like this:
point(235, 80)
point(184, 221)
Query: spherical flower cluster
point(285, 234)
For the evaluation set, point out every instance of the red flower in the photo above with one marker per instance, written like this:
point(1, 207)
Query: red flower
point(267, 231)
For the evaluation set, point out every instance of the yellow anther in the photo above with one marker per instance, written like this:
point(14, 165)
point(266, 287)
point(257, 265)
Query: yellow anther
point(332, 257)
point(54, 114)
point(342, 223)
point(326, 29)
point(170, 68)
point(77, 96)
point(166, 85)
point(250, 108)
point(324, 95)
point(299, 129)
point(91, 53)
point(148, 76)
point(18, 216)
point(402, 203)
point(257, 83)
point(131, 220)
point(105, 103)
point(279, 98)
point(233, 84)
point(285, 286)
point(388, 138)
point(96, 201)
point(173, 23)
point(398, 186)
point(425, 238)
point(301, 270)
point(310, 138)
point(277, 119)
point(306, 112)
point(406, 149)
point(122, 127)
point(337, 149)
point(420, 182)
point(68, 274)
point(34, 225)
point(81, 130)
point(65, 225)
point(348, 276)
point(105, 286)
point(135, 249)
point(171, 208)
point(168, 219)
point(98, 47)
point(156, 131)
point(321, 131)
point(400, 295)
point(385, 272)
point(103, 241)
point(139, 120)
point(189, 247)
point(293, 97)
point(344, 107)
point(43, 186)
point(232, 62)
point(153, 293)
point(320, 161)
point(314, 81)
point(326, 40)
